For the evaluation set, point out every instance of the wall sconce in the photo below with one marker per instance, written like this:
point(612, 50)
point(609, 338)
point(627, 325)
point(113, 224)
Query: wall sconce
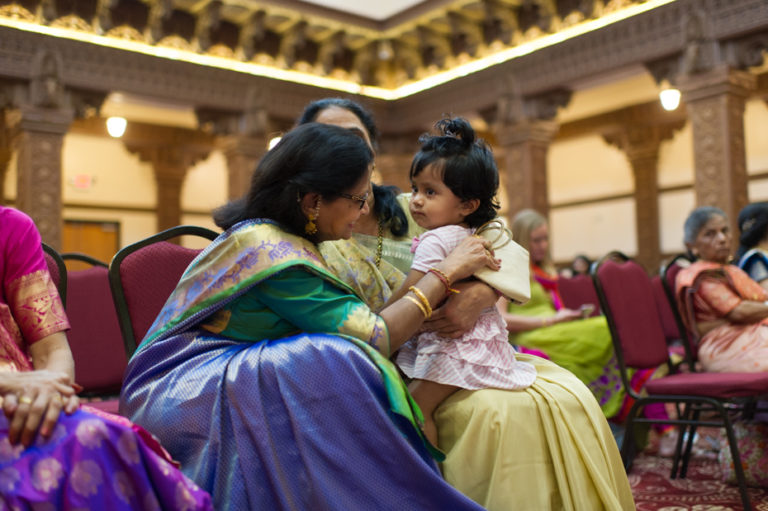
point(670, 98)
point(116, 126)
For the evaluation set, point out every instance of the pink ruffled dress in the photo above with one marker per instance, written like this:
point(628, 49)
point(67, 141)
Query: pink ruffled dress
point(481, 358)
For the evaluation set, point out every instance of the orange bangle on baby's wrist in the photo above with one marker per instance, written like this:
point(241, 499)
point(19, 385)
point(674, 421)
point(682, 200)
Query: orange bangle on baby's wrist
point(440, 274)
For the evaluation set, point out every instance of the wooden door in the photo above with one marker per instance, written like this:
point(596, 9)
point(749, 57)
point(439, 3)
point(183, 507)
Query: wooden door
point(100, 240)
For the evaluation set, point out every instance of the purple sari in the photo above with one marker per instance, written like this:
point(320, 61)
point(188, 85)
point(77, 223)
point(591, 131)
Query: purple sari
point(93, 460)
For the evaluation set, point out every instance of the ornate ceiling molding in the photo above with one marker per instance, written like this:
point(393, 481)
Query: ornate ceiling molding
point(407, 53)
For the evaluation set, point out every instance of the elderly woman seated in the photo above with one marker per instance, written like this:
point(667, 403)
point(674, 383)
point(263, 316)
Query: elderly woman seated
point(729, 309)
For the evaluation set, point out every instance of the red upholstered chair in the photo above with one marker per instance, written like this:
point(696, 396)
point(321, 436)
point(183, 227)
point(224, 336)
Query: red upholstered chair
point(95, 338)
point(578, 290)
point(626, 297)
point(668, 273)
point(143, 275)
point(57, 269)
point(666, 313)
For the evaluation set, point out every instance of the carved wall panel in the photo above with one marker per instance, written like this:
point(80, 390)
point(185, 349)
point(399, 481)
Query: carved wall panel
point(39, 182)
point(715, 102)
point(524, 148)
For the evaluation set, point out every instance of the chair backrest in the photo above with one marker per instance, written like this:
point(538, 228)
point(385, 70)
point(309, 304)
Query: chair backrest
point(95, 337)
point(82, 258)
point(143, 275)
point(666, 314)
point(57, 269)
point(626, 297)
point(668, 273)
point(577, 291)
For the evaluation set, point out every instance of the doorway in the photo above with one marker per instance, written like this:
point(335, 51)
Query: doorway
point(100, 240)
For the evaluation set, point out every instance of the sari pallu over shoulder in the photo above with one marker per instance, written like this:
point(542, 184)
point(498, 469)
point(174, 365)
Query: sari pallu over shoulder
point(245, 255)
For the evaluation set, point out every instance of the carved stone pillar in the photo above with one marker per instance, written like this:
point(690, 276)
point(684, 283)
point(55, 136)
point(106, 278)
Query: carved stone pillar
point(640, 142)
point(6, 151)
point(523, 127)
point(715, 102)
point(40, 137)
point(243, 154)
point(525, 146)
point(243, 137)
point(393, 159)
point(171, 151)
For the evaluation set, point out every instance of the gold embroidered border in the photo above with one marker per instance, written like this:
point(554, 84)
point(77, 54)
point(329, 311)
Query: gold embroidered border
point(37, 306)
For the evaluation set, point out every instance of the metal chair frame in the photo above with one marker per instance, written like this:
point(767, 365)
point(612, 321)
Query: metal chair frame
point(693, 405)
point(116, 284)
point(62, 285)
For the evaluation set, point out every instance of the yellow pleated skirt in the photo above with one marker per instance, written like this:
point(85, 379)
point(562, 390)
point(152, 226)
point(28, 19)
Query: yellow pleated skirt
point(548, 447)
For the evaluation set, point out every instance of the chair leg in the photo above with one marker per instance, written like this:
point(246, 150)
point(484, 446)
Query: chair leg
point(736, 457)
point(689, 443)
point(681, 431)
point(628, 445)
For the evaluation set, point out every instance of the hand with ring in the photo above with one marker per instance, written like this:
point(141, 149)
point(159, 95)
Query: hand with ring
point(32, 401)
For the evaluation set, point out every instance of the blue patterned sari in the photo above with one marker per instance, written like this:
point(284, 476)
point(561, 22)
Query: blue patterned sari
point(262, 376)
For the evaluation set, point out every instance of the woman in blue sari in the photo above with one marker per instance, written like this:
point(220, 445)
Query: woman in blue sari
point(266, 376)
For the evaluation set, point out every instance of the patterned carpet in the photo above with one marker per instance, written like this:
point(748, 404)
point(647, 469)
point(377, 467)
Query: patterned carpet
point(702, 490)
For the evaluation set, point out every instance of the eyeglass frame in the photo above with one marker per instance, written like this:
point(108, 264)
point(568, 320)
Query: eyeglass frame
point(361, 198)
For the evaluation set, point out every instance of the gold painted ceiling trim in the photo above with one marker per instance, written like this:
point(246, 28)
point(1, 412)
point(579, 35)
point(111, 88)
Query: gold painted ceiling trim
point(439, 78)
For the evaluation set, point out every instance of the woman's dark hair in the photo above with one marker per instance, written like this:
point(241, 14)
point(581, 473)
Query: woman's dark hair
point(314, 157)
point(312, 110)
point(467, 166)
point(385, 205)
point(753, 226)
point(581, 257)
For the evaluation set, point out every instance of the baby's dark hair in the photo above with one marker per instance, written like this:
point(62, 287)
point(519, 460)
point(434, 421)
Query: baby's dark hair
point(467, 166)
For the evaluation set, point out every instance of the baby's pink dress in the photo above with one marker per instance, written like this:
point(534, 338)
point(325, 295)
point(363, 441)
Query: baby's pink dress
point(482, 357)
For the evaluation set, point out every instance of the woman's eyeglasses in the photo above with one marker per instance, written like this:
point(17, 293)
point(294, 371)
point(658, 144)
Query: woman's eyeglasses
point(361, 198)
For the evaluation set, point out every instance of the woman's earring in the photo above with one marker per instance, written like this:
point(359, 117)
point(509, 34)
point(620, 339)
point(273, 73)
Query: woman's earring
point(311, 227)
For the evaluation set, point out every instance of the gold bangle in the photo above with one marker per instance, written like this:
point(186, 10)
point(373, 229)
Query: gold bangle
point(418, 304)
point(424, 301)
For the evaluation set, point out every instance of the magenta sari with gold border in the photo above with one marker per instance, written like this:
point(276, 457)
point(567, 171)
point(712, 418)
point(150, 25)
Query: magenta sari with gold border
point(92, 460)
point(30, 307)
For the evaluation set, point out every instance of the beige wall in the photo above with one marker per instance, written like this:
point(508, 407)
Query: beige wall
point(756, 141)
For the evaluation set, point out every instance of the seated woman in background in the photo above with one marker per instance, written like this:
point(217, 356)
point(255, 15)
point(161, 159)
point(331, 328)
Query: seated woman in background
point(267, 376)
point(752, 254)
point(81, 458)
point(568, 337)
point(729, 308)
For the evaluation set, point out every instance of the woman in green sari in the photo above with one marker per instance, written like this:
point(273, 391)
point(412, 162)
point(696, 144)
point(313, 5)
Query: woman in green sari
point(266, 376)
